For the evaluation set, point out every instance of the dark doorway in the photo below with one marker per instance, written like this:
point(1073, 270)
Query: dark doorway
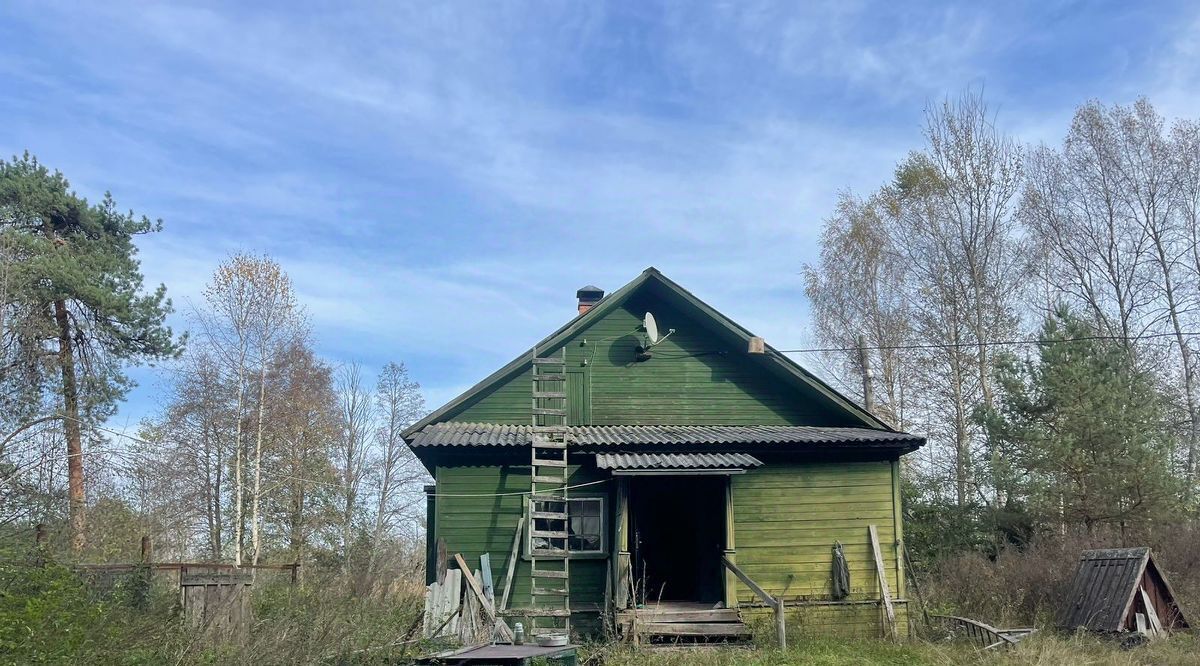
point(678, 529)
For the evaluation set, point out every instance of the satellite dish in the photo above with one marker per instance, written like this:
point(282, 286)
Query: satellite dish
point(651, 327)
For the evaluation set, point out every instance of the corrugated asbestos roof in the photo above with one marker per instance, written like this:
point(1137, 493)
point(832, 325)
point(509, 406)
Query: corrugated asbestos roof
point(1103, 588)
point(491, 434)
point(676, 461)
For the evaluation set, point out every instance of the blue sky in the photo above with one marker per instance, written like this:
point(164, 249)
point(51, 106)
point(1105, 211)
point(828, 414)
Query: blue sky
point(439, 177)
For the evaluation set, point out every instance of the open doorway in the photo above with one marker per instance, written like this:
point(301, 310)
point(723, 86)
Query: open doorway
point(678, 531)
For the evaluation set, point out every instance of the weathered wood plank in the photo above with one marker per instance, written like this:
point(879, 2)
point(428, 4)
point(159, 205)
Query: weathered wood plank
point(889, 611)
point(473, 586)
point(693, 628)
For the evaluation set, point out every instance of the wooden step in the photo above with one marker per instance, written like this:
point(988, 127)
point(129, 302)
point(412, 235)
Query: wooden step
point(547, 444)
point(549, 552)
point(693, 629)
point(549, 592)
point(547, 462)
point(549, 534)
point(550, 377)
point(651, 614)
point(548, 573)
point(549, 361)
point(550, 395)
point(548, 515)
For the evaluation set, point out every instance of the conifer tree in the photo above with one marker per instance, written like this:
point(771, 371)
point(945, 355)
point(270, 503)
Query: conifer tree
point(81, 313)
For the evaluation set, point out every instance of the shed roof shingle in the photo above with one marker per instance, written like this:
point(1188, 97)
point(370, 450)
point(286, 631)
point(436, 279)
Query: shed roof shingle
point(654, 461)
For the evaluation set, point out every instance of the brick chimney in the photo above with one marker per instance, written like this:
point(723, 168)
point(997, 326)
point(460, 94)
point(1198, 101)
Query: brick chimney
point(588, 296)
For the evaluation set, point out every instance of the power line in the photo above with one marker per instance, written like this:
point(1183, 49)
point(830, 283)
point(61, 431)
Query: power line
point(987, 343)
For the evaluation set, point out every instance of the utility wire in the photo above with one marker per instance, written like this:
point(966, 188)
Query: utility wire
point(986, 343)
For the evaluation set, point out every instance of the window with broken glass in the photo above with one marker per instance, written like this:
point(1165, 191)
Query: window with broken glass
point(585, 526)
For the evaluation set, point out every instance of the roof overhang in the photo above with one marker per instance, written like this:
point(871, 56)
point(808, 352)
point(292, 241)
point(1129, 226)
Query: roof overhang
point(676, 464)
point(454, 442)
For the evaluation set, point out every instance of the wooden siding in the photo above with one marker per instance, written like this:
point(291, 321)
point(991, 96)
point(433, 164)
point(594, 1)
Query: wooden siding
point(696, 376)
point(476, 525)
point(787, 517)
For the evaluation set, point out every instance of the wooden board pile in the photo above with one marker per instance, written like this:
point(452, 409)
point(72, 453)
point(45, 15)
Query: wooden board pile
point(462, 605)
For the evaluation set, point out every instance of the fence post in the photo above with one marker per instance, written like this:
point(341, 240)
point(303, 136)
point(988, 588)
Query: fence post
point(780, 626)
point(147, 549)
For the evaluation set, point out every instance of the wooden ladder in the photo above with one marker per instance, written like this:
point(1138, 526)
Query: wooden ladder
point(549, 547)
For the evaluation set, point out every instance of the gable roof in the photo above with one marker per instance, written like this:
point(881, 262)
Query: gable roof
point(1106, 586)
point(789, 369)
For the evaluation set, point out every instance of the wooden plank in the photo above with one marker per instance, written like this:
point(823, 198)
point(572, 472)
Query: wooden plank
point(693, 628)
point(762, 594)
point(1151, 612)
point(889, 611)
point(652, 614)
point(512, 564)
point(440, 562)
point(485, 572)
point(473, 586)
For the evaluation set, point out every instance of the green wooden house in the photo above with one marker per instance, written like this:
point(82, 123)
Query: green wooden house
point(703, 449)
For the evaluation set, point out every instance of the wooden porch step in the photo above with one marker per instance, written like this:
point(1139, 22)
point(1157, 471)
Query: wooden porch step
point(713, 629)
point(674, 615)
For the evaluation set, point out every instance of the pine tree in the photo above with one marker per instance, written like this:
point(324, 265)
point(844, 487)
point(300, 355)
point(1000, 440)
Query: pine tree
point(1084, 430)
point(84, 314)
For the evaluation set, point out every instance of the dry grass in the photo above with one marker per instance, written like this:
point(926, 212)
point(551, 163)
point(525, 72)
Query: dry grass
point(1044, 650)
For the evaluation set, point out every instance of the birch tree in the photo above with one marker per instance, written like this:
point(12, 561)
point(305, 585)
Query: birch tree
point(356, 413)
point(398, 404)
point(857, 289)
point(229, 325)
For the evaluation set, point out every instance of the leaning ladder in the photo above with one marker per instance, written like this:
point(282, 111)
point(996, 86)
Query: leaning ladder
point(549, 562)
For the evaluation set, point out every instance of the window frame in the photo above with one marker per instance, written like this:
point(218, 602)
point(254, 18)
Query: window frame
point(574, 555)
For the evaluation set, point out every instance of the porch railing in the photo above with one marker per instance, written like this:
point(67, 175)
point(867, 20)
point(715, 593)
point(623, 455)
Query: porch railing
point(776, 604)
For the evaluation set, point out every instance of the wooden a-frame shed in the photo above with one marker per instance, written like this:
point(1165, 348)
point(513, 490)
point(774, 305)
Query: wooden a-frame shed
point(1113, 587)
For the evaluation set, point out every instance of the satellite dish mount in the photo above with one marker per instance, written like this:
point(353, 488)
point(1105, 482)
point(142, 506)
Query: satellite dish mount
point(651, 337)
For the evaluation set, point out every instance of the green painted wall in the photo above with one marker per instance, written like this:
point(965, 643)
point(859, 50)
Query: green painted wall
point(475, 525)
point(695, 377)
point(786, 518)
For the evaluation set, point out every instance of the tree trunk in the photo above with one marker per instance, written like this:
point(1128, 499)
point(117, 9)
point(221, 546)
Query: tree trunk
point(237, 464)
point(71, 426)
point(258, 441)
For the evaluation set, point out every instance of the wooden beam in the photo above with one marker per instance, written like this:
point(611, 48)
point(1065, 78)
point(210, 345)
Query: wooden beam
point(889, 611)
point(474, 586)
point(730, 580)
point(485, 574)
point(754, 587)
point(512, 563)
point(775, 603)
